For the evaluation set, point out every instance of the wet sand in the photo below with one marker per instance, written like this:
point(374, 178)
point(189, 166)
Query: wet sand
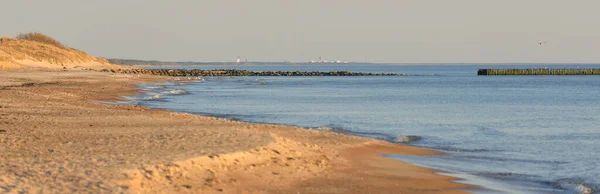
point(56, 137)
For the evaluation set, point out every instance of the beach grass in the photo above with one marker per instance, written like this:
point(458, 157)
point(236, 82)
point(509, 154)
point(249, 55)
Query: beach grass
point(40, 37)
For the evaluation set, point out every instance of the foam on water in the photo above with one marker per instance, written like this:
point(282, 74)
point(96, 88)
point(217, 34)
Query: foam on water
point(154, 97)
point(175, 92)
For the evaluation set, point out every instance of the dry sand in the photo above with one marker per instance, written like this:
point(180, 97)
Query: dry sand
point(56, 137)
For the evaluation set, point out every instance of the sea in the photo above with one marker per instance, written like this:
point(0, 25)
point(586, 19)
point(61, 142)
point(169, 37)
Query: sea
point(506, 134)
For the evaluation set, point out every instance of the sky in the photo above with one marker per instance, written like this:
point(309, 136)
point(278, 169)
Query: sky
point(385, 31)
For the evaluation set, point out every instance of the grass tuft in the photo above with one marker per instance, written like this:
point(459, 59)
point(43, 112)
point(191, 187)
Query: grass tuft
point(42, 38)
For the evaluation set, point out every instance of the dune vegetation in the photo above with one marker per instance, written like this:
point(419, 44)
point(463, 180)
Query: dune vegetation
point(41, 38)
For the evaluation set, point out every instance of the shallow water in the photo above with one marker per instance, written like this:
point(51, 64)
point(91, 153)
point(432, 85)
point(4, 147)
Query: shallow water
point(513, 134)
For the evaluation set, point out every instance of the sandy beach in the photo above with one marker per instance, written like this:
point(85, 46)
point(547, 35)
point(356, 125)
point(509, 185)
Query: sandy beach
point(299, 97)
point(57, 137)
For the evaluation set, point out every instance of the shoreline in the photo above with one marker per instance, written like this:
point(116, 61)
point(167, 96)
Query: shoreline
point(281, 159)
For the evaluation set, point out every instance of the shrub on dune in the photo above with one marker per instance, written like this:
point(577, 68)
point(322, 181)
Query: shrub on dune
point(42, 38)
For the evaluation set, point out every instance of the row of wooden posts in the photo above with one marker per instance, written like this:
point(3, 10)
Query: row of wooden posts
point(539, 71)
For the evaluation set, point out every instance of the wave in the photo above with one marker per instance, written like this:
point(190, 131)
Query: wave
point(331, 129)
point(176, 92)
point(584, 189)
point(257, 84)
point(154, 98)
point(155, 87)
point(500, 159)
point(454, 149)
point(507, 176)
point(489, 131)
point(570, 185)
point(234, 117)
point(576, 185)
point(408, 139)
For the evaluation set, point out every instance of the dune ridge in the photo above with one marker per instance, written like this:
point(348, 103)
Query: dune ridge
point(21, 53)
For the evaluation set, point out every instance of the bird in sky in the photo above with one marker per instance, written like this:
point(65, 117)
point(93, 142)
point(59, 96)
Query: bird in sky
point(541, 43)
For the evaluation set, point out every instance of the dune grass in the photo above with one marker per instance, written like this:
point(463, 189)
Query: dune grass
point(42, 38)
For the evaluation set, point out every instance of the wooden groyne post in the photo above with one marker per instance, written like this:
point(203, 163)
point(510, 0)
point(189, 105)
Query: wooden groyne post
point(540, 71)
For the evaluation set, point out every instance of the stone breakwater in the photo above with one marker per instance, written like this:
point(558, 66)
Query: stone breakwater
point(235, 72)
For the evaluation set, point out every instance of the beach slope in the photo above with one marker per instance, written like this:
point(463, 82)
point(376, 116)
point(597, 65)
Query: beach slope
point(57, 137)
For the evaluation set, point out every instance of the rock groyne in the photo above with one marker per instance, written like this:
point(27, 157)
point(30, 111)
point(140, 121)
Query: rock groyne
point(235, 72)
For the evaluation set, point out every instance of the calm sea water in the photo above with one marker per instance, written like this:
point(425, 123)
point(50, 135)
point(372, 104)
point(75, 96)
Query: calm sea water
point(510, 134)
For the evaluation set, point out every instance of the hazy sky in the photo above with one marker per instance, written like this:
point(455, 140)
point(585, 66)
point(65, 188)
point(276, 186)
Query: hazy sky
point(278, 30)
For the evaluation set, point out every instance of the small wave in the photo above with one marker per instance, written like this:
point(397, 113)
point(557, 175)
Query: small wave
point(585, 189)
point(235, 117)
point(156, 87)
point(258, 84)
point(176, 92)
point(407, 139)
point(330, 129)
point(508, 176)
point(404, 139)
point(453, 149)
point(374, 135)
point(500, 159)
point(489, 131)
point(154, 98)
point(576, 185)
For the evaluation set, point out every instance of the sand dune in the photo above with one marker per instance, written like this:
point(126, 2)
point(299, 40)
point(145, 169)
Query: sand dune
point(16, 53)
